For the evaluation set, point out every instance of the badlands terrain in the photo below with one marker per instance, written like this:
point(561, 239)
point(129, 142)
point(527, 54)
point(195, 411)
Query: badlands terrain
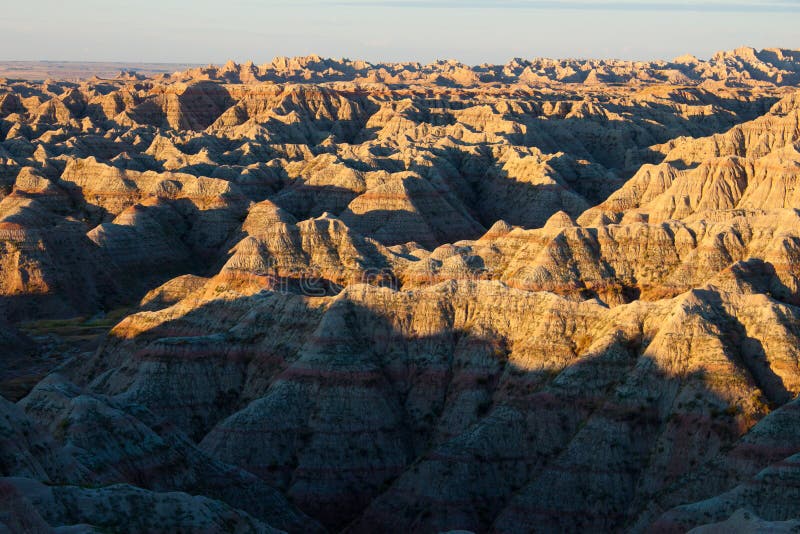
point(327, 295)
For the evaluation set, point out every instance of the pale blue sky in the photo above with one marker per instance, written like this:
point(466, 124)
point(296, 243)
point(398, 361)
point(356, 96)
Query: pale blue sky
point(473, 31)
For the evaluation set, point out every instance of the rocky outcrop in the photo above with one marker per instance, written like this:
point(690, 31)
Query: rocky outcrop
point(34, 505)
point(278, 253)
point(407, 208)
point(119, 442)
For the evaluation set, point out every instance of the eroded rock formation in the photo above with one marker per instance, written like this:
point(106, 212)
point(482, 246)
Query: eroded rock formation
point(328, 295)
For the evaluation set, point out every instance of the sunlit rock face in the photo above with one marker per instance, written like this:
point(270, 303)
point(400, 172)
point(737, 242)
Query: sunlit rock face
point(328, 295)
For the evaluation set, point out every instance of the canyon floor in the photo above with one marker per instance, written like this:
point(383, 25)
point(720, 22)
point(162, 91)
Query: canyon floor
point(322, 295)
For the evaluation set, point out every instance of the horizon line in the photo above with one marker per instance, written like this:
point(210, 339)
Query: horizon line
point(379, 62)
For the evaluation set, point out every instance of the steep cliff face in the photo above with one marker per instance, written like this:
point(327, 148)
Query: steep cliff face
point(326, 295)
